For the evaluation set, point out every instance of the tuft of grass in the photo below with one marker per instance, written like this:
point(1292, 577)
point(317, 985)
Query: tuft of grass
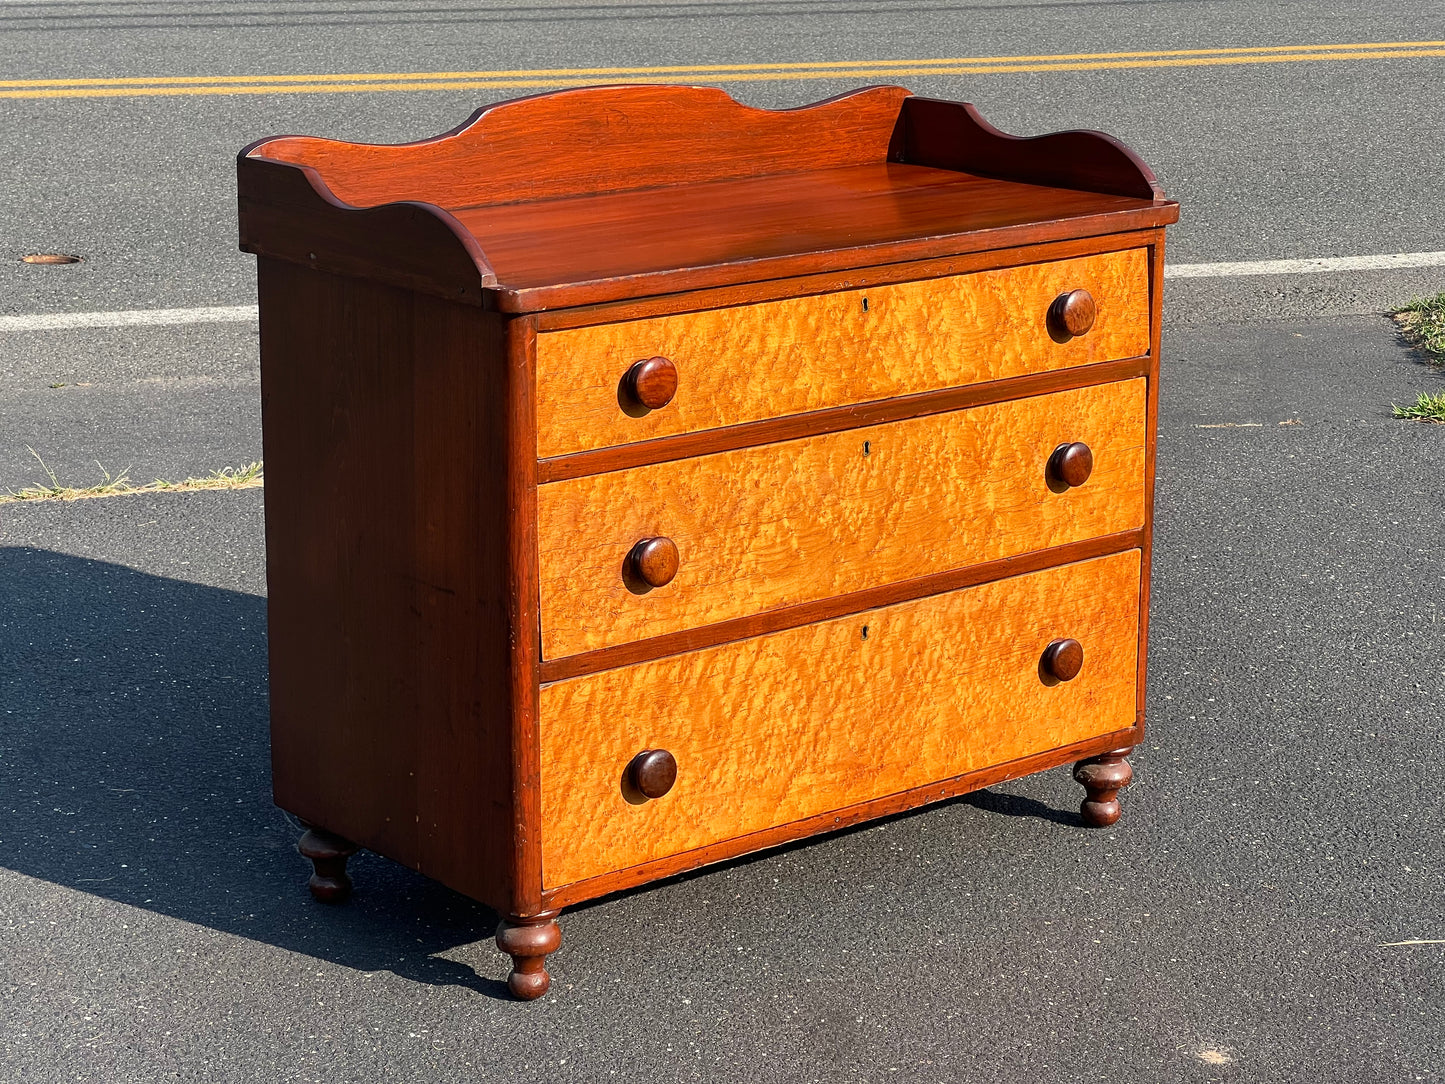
point(1422, 323)
point(247, 476)
point(1427, 408)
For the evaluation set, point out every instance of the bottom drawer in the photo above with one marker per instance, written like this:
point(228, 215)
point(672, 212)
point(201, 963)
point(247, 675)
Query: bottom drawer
point(814, 719)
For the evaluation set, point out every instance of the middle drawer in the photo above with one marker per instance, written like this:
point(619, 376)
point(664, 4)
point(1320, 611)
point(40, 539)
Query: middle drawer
point(761, 528)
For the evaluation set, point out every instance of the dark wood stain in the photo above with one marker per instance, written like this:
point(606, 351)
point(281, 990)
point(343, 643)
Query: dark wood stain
point(327, 854)
point(1071, 315)
point(952, 135)
point(1070, 466)
point(523, 649)
point(387, 580)
point(582, 250)
point(1151, 435)
point(529, 940)
point(650, 383)
point(670, 189)
point(1102, 777)
point(652, 772)
point(654, 561)
point(1063, 659)
point(603, 139)
point(287, 214)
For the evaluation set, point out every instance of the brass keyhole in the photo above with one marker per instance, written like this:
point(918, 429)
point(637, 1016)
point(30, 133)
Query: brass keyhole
point(867, 447)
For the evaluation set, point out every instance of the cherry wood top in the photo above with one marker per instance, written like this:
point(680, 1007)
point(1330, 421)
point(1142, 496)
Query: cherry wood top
point(766, 227)
point(606, 193)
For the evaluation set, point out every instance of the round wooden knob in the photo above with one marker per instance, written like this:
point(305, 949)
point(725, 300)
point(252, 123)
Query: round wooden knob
point(651, 383)
point(652, 772)
point(1071, 464)
point(654, 561)
point(1072, 314)
point(1063, 659)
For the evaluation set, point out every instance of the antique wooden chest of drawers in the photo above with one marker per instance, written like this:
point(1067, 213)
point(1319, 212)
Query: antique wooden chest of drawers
point(652, 479)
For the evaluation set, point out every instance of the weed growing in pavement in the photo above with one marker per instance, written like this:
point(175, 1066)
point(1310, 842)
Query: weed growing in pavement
point(1422, 323)
point(1428, 408)
point(244, 477)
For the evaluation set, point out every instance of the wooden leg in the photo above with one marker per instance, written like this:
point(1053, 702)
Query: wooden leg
point(328, 853)
point(1103, 776)
point(529, 941)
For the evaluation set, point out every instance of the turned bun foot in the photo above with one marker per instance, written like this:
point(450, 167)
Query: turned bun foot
point(328, 853)
point(529, 941)
point(1103, 776)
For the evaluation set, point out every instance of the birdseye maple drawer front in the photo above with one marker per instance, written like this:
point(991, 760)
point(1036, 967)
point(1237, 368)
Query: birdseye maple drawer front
point(814, 719)
point(747, 363)
point(750, 530)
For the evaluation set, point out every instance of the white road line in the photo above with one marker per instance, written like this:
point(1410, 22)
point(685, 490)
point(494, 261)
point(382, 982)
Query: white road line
point(240, 314)
point(1303, 267)
point(54, 321)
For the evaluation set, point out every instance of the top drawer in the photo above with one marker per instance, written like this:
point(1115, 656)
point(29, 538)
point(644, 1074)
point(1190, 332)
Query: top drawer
point(768, 360)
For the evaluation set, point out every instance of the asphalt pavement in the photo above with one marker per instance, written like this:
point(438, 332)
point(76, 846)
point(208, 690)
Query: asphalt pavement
point(1248, 919)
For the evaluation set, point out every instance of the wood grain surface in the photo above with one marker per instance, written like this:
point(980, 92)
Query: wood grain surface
point(393, 626)
point(761, 528)
point(602, 139)
point(662, 189)
point(739, 365)
point(286, 213)
point(821, 717)
point(834, 820)
point(666, 189)
point(1151, 460)
point(590, 249)
point(834, 419)
point(827, 282)
point(514, 392)
point(954, 136)
point(825, 609)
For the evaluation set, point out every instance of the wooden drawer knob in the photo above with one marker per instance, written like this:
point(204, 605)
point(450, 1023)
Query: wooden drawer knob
point(654, 561)
point(1071, 464)
point(652, 772)
point(651, 383)
point(1063, 659)
point(1071, 315)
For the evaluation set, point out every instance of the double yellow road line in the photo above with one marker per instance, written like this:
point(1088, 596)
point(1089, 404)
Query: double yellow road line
point(852, 70)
